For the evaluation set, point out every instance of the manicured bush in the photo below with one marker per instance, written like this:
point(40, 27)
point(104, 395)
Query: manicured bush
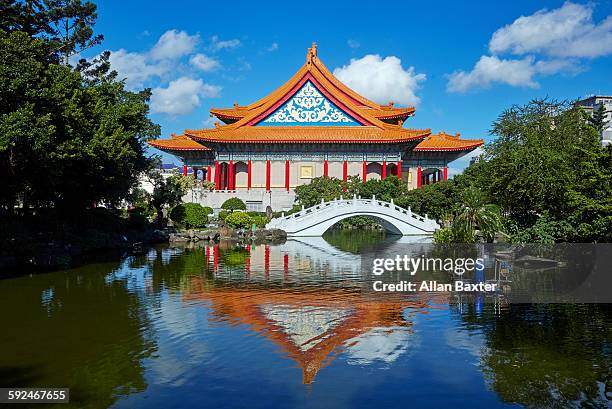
point(233, 203)
point(208, 210)
point(260, 221)
point(189, 215)
point(223, 214)
point(239, 219)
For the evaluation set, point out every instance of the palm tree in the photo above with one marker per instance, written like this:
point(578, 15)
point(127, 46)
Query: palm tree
point(474, 215)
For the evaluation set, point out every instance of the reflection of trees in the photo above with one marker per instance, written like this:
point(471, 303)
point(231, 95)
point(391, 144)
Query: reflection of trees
point(549, 355)
point(354, 241)
point(86, 334)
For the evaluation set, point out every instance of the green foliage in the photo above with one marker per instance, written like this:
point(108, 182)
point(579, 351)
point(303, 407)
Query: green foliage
point(359, 222)
point(444, 236)
point(239, 220)
point(475, 213)
point(67, 25)
point(260, 221)
point(168, 191)
point(189, 215)
point(598, 120)
point(545, 231)
point(233, 203)
point(66, 139)
point(437, 200)
point(548, 173)
point(325, 188)
point(223, 214)
point(386, 189)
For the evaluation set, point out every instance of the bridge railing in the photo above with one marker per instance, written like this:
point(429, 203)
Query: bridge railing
point(354, 202)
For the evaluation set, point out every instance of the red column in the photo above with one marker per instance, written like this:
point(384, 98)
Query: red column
point(287, 175)
point(268, 175)
point(419, 170)
point(445, 173)
point(286, 265)
point(399, 169)
point(208, 173)
point(365, 172)
point(184, 170)
point(217, 178)
point(325, 168)
point(230, 176)
point(249, 175)
point(215, 257)
point(222, 175)
point(384, 170)
point(267, 261)
point(344, 173)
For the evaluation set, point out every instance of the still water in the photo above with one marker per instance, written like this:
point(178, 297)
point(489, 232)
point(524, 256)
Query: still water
point(289, 326)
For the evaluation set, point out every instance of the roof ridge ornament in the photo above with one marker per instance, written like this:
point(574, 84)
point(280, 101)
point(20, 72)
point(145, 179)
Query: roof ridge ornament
point(311, 55)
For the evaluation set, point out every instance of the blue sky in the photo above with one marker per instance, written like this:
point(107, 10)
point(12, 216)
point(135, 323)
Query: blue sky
point(460, 63)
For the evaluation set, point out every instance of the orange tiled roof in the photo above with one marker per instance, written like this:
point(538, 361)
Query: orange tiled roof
point(445, 142)
point(178, 143)
point(374, 130)
point(299, 134)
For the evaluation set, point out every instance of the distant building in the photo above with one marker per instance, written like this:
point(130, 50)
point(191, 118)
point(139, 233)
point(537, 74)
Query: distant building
point(593, 103)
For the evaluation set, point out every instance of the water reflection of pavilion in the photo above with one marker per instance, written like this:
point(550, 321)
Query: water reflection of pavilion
point(309, 299)
point(310, 327)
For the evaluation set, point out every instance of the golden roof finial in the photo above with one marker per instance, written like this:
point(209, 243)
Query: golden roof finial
point(312, 53)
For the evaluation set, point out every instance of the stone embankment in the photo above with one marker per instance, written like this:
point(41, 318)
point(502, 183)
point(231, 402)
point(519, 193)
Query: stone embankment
point(226, 233)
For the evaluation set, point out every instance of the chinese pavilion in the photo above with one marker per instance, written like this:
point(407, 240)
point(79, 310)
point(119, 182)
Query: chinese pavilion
point(311, 126)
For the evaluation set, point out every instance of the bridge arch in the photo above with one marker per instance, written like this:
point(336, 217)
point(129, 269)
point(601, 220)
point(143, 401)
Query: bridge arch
point(316, 220)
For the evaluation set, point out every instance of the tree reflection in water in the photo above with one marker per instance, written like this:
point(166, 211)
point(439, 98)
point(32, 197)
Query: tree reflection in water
point(555, 355)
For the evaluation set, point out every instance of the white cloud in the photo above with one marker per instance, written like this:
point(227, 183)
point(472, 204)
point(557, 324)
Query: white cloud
point(353, 44)
point(204, 62)
point(490, 70)
point(217, 44)
point(381, 80)
point(135, 68)
point(174, 44)
point(568, 31)
point(273, 47)
point(552, 41)
point(182, 96)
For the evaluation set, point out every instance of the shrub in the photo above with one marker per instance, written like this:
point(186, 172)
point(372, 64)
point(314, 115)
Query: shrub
point(444, 236)
point(239, 219)
point(223, 214)
point(233, 203)
point(259, 220)
point(208, 210)
point(189, 215)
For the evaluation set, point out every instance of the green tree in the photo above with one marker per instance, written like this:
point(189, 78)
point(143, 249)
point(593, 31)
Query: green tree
point(168, 191)
point(189, 215)
point(475, 214)
point(598, 119)
point(239, 219)
point(233, 203)
point(320, 188)
point(66, 140)
point(67, 25)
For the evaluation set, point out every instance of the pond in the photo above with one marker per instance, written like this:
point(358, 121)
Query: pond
point(290, 326)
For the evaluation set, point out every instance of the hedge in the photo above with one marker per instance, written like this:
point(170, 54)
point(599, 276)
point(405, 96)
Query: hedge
point(189, 215)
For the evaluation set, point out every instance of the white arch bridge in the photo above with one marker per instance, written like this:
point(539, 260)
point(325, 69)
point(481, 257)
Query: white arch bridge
point(315, 220)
